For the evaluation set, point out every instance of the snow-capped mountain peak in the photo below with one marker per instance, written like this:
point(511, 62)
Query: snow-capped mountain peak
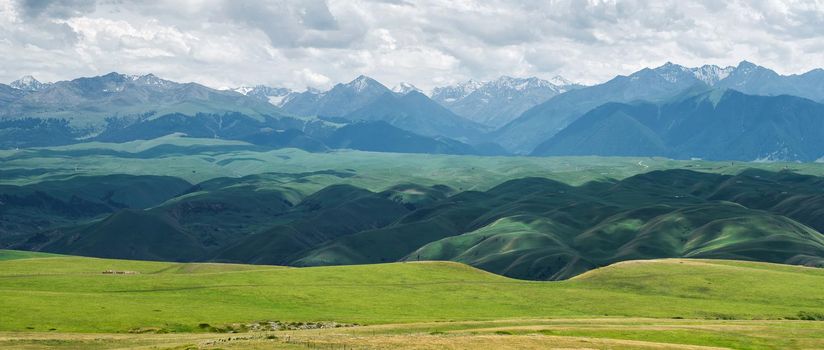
point(404, 88)
point(456, 92)
point(499, 101)
point(672, 72)
point(360, 83)
point(243, 90)
point(29, 83)
point(509, 83)
point(711, 74)
point(558, 84)
point(272, 95)
point(560, 81)
point(151, 79)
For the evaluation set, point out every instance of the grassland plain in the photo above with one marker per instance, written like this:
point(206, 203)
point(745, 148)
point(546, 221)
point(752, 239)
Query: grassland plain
point(62, 301)
point(197, 160)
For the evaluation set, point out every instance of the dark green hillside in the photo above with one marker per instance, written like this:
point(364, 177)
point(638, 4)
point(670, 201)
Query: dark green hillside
point(539, 229)
point(33, 208)
point(208, 216)
point(332, 212)
point(132, 234)
point(719, 125)
point(532, 228)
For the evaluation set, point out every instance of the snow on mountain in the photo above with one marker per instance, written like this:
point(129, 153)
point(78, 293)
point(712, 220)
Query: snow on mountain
point(338, 101)
point(521, 84)
point(151, 79)
point(243, 90)
point(673, 73)
point(560, 81)
point(456, 92)
point(29, 83)
point(272, 95)
point(711, 74)
point(497, 102)
point(360, 83)
point(404, 88)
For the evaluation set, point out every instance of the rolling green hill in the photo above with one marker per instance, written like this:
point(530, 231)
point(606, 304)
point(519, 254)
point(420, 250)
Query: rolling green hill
point(36, 207)
point(73, 294)
point(530, 228)
point(533, 218)
point(541, 229)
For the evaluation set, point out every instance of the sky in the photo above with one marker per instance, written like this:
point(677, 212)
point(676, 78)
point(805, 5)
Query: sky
point(315, 43)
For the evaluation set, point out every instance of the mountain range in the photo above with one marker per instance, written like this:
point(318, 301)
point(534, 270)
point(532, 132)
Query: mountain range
point(510, 115)
point(497, 102)
point(29, 83)
point(657, 85)
point(118, 108)
point(718, 124)
point(272, 95)
point(89, 102)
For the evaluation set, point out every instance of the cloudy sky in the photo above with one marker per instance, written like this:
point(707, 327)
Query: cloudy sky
point(317, 43)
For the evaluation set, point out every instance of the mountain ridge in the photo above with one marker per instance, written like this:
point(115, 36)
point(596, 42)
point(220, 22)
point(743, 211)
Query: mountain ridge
point(720, 124)
point(654, 85)
point(496, 102)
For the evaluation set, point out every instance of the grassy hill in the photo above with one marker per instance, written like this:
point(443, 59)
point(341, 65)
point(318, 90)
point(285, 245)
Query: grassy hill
point(532, 218)
point(536, 228)
point(526, 217)
point(73, 294)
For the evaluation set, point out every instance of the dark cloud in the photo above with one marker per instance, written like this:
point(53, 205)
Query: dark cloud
point(59, 9)
point(294, 23)
point(41, 23)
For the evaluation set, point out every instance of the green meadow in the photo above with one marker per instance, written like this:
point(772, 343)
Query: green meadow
point(51, 301)
point(65, 294)
point(354, 204)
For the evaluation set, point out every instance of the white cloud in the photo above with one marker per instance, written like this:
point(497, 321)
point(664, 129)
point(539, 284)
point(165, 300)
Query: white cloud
point(300, 43)
point(312, 79)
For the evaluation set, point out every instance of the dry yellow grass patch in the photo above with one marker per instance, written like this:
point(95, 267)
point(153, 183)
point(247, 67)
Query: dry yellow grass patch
point(599, 333)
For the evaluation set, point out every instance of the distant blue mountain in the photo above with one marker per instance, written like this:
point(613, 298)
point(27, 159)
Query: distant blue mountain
point(721, 124)
point(419, 114)
point(543, 121)
point(457, 119)
point(338, 101)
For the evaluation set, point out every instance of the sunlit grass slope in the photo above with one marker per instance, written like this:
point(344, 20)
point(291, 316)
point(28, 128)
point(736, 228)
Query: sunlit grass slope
point(73, 294)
